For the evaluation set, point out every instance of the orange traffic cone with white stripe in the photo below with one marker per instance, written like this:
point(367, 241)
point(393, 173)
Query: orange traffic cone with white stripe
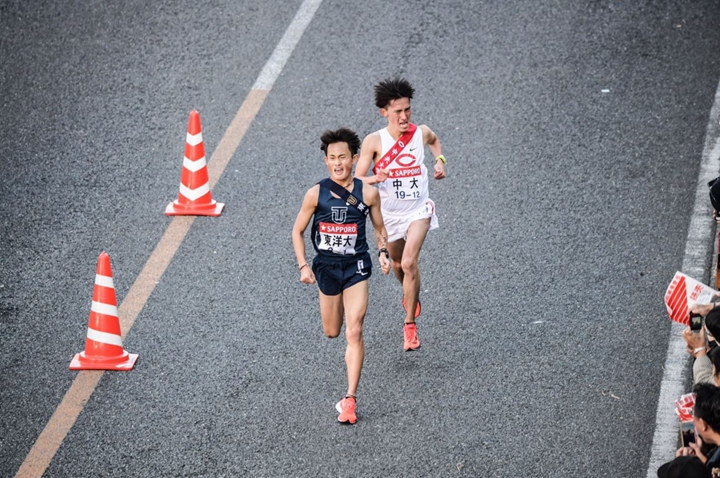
point(195, 198)
point(103, 346)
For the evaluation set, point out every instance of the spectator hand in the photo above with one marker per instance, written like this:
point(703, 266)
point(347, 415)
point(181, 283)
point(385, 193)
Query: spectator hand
point(703, 309)
point(696, 447)
point(694, 340)
point(684, 451)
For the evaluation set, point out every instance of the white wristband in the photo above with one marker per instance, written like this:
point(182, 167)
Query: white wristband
point(699, 349)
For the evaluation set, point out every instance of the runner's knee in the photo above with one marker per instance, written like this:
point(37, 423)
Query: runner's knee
point(331, 331)
point(331, 328)
point(409, 266)
point(354, 334)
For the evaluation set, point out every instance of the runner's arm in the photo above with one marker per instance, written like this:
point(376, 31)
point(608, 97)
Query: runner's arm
point(298, 233)
point(368, 151)
point(433, 142)
point(372, 199)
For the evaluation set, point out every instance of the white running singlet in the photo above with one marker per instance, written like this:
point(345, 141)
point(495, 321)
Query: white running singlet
point(406, 188)
point(404, 194)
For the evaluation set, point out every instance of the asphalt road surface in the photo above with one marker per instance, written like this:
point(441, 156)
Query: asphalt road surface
point(573, 132)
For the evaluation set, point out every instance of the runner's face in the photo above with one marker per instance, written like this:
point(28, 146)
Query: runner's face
point(397, 114)
point(339, 161)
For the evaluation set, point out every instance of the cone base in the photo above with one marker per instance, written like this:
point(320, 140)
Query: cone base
point(173, 209)
point(81, 362)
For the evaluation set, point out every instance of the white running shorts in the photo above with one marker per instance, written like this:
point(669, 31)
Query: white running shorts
point(397, 226)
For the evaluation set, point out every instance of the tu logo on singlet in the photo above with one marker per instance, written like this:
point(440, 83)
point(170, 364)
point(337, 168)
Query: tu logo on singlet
point(339, 214)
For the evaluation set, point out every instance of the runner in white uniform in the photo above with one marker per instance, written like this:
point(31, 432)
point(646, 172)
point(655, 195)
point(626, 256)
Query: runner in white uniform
point(398, 154)
point(404, 195)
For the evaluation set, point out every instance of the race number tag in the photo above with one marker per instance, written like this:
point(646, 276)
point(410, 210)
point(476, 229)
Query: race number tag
point(405, 183)
point(338, 238)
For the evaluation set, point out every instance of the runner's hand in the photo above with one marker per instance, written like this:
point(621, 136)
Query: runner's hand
point(384, 264)
point(307, 276)
point(439, 170)
point(381, 175)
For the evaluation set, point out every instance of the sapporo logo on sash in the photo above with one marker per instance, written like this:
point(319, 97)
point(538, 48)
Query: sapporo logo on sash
point(338, 238)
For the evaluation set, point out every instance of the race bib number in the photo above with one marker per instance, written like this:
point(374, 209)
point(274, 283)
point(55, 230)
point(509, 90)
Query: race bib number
point(338, 238)
point(405, 183)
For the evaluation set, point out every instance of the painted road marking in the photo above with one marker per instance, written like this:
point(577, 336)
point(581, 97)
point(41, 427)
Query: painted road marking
point(698, 254)
point(72, 404)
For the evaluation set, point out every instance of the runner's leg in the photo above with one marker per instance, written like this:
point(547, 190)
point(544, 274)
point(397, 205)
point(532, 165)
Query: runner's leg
point(355, 299)
point(395, 249)
point(409, 263)
point(331, 312)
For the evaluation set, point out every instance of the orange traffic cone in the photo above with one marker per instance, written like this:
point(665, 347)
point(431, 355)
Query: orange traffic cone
point(103, 346)
point(195, 198)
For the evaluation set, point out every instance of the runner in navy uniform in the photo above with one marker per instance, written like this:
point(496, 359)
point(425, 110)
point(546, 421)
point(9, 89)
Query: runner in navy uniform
point(338, 207)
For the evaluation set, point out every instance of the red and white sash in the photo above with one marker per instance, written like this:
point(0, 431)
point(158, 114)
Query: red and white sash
point(393, 152)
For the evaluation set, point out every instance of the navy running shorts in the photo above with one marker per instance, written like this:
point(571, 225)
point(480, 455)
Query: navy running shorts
point(334, 277)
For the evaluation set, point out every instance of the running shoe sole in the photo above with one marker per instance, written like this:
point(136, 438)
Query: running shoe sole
point(338, 407)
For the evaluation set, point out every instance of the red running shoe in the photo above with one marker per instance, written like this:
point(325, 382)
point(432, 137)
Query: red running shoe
point(346, 409)
point(412, 342)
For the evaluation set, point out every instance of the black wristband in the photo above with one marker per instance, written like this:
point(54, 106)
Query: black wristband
point(387, 254)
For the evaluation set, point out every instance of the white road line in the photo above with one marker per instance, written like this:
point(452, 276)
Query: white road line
point(73, 403)
point(282, 52)
point(698, 255)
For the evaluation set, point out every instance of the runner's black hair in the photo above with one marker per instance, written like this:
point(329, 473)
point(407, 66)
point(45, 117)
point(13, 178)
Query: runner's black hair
point(392, 89)
point(342, 135)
